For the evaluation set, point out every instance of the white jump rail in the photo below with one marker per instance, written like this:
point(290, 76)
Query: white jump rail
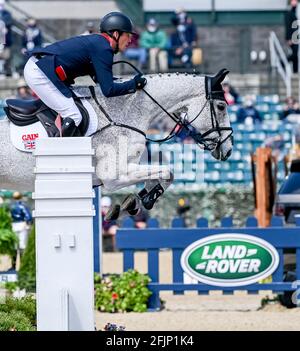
point(64, 234)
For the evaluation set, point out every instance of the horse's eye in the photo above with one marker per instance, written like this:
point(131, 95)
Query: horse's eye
point(221, 107)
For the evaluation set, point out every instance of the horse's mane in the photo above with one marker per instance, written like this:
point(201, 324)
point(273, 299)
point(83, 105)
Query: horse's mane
point(173, 74)
point(160, 75)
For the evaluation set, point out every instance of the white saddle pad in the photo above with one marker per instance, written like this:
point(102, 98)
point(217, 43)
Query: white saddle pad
point(24, 138)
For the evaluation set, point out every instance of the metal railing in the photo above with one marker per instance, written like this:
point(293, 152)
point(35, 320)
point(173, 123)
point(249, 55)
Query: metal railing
point(20, 17)
point(280, 63)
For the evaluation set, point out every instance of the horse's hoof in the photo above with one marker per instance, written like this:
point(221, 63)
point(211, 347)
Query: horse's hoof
point(130, 203)
point(113, 213)
point(134, 212)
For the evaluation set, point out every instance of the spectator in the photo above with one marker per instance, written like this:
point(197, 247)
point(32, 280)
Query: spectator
point(248, 112)
point(179, 17)
point(291, 107)
point(21, 217)
point(231, 96)
point(181, 42)
point(291, 33)
point(32, 38)
point(277, 144)
point(135, 52)
point(90, 28)
point(23, 91)
point(191, 32)
point(183, 207)
point(184, 39)
point(155, 41)
point(109, 229)
point(140, 219)
point(5, 39)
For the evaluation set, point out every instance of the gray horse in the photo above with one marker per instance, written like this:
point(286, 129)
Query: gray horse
point(119, 149)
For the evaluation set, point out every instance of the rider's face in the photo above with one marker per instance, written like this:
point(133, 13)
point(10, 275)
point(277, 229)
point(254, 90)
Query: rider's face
point(124, 41)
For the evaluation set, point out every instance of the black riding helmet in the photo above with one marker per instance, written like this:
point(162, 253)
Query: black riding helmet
point(116, 21)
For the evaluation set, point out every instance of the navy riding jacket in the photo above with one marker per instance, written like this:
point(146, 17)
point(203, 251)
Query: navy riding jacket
point(20, 212)
point(80, 56)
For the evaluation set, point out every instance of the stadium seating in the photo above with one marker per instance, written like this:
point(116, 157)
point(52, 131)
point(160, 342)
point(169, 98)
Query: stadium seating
point(2, 113)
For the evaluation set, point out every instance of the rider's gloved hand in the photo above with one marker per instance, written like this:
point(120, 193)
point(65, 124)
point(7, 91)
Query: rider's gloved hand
point(140, 81)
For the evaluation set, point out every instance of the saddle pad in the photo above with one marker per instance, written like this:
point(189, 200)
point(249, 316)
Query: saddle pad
point(23, 138)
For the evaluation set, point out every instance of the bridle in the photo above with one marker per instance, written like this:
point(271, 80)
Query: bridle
point(210, 143)
point(202, 139)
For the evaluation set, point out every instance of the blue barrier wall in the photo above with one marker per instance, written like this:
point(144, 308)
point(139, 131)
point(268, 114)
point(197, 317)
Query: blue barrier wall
point(178, 238)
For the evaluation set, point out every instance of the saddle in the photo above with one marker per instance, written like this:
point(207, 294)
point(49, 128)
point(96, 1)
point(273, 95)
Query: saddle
point(26, 112)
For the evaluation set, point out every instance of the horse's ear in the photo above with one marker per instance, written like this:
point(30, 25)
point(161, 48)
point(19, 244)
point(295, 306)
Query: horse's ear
point(219, 77)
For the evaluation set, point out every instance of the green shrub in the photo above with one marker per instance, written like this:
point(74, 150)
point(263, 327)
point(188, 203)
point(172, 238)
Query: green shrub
point(27, 275)
point(5, 218)
point(8, 239)
point(124, 293)
point(26, 305)
point(8, 242)
point(15, 321)
point(10, 287)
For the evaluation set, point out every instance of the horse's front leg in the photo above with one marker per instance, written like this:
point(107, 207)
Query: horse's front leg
point(154, 188)
point(156, 178)
point(137, 173)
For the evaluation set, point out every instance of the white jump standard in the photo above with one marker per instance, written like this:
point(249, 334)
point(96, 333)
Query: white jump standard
point(64, 234)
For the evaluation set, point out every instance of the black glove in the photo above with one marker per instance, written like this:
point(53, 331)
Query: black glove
point(140, 81)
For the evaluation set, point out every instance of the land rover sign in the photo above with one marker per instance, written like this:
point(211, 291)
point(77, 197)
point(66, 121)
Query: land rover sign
point(230, 260)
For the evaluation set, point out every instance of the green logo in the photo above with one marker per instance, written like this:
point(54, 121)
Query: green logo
point(230, 260)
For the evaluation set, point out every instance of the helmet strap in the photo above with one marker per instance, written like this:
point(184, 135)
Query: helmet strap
point(116, 50)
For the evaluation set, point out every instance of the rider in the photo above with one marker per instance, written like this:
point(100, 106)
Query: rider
point(51, 70)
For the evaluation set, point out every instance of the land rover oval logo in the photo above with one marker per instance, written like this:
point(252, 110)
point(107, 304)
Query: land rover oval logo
point(230, 260)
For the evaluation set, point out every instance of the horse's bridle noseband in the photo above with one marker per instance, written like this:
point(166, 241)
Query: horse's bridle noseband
point(202, 139)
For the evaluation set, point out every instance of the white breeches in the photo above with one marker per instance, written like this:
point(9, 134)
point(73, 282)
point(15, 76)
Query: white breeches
point(48, 93)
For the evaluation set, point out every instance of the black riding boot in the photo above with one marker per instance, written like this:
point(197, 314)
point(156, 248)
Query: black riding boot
point(68, 128)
